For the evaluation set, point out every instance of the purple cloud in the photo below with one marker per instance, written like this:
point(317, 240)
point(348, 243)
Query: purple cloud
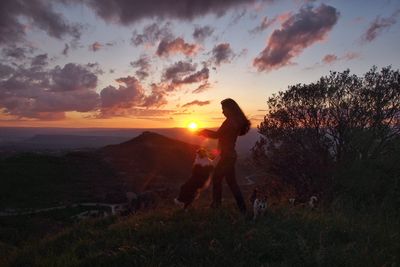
point(143, 66)
point(127, 12)
point(265, 24)
point(178, 45)
point(298, 32)
point(177, 70)
point(130, 95)
point(152, 34)
point(41, 93)
point(379, 25)
point(39, 14)
point(222, 53)
point(196, 103)
point(201, 33)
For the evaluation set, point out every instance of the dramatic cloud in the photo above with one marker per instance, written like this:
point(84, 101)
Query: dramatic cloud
point(129, 96)
point(127, 12)
point(177, 70)
point(222, 53)
point(265, 24)
point(379, 25)
point(143, 66)
point(201, 33)
point(178, 45)
point(196, 103)
point(199, 76)
point(39, 14)
point(47, 93)
point(73, 77)
point(297, 33)
point(152, 34)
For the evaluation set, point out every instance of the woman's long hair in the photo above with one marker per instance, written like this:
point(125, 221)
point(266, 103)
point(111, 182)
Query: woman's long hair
point(237, 115)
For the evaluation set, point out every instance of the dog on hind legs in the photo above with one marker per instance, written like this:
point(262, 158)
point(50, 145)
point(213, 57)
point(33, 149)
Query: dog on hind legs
point(259, 204)
point(198, 181)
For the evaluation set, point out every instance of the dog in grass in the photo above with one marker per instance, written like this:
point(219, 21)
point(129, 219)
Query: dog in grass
point(198, 181)
point(259, 203)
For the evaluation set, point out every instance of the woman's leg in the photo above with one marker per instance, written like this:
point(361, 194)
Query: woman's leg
point(232, 183)
point(218, 176)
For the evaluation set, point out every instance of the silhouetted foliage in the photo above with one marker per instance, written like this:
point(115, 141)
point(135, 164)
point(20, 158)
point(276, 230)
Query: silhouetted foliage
point(313, 130)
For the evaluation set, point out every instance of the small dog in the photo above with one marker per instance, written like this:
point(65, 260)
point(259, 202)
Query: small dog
point(199, 180)
point(259, 204)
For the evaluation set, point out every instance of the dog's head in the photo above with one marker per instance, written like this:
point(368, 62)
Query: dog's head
point(202, 153)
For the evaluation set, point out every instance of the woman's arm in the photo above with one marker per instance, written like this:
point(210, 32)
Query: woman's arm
point(225, 128)
point(209, 133)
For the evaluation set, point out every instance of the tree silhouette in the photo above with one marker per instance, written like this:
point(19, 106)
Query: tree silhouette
point(310, 130)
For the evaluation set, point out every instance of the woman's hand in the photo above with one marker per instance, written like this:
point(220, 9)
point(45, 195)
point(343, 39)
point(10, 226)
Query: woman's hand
point(201, 132)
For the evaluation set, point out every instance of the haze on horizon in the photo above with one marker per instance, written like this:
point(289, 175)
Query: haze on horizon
point(135, 64)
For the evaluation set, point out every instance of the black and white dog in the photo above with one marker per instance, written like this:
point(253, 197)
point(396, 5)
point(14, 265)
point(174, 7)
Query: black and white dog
point(259, 204)
point(198, 181)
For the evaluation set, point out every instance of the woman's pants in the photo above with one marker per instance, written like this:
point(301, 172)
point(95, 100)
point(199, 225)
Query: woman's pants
point(226, 169)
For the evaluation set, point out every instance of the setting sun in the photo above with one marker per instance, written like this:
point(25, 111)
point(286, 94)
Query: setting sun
point(192, 126)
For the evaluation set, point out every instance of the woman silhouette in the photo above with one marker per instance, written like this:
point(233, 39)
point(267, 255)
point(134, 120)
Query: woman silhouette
point(235, 124)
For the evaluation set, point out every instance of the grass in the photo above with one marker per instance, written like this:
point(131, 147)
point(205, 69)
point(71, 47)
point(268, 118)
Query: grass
point(203, 237)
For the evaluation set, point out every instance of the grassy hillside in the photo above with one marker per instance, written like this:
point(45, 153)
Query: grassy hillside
point(167, 236)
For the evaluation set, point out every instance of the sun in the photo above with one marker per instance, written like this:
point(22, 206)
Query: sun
point(192, 126)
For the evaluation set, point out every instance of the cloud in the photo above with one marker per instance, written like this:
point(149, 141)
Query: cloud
point(65, 50)
point(128, 12)
point(177, 70)
point(143, 66)
point(331, 58)
point(130, 95)
point(178, 45)
point(39, 14)
point(379, 25)
point(202, 87)
point(298, 32)
point(201, 33)
point(222, 53)
point(152, 34)
point(46, 94)
point(199, 76)
point(196, 103)
point(72, 77)
point(95, 46)
point(14, 52)
point(265, 24)
point(40, 60)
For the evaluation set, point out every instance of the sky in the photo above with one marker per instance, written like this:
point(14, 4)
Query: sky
point(166, 63)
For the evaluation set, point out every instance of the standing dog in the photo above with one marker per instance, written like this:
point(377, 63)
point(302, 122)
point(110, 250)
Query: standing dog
point(199, 180)
point(259, 204)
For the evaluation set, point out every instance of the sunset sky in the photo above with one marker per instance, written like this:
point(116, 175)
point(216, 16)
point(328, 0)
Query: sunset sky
point(165, 63)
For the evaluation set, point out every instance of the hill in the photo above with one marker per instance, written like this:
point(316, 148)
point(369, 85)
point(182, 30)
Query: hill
point(151, 159)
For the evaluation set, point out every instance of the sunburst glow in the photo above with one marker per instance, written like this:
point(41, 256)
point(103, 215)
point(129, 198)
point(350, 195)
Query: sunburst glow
point(192, 126)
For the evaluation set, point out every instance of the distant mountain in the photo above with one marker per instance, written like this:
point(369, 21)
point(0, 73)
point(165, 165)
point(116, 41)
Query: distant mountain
point(33, 139)
point(73, 141)
point(151, 159)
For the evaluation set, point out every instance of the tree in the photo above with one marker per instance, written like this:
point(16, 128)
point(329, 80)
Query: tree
point(310, 130)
